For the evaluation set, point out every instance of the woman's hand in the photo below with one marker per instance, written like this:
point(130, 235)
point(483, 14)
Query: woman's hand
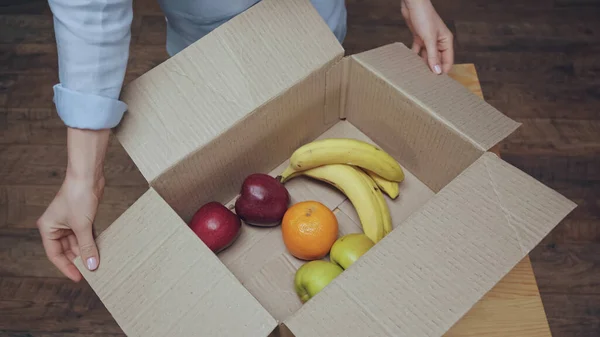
point(432, 39)
point(66, 225)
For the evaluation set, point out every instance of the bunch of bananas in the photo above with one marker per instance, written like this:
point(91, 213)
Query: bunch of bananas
point(359, 170)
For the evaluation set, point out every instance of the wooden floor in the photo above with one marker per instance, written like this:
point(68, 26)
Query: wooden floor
point(538, 62)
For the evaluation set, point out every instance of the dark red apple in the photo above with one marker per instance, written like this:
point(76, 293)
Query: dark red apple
point(216, 226)
point(263, 200)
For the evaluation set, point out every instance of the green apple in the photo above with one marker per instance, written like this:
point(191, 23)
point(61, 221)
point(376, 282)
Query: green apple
point(349, 248)
point(313, 276)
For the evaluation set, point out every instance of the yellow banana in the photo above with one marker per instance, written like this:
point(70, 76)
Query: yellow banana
point(349, 181)
point(288, 174)
point(389, 187)
point(383, 207)
point(346, 151)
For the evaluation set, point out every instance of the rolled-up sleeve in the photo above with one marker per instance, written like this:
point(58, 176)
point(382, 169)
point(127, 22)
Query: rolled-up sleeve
point(92, 38)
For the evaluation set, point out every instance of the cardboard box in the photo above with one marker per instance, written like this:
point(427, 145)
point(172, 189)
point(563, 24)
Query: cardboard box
point(240, 101)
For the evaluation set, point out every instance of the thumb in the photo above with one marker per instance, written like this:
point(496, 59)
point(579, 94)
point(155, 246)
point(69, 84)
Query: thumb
point(432, 55)
point(87, 247)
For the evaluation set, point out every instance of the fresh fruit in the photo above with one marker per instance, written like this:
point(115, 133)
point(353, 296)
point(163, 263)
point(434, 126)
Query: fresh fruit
point(263, 200)
point(349, 180)
point(388, 187)
point(313, 276)
point(216, 226)
point(309, 229)
point(346, 151)
point(349, 248)
point(383, 207)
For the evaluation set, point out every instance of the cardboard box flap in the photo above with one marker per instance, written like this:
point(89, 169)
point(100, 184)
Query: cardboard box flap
point(157, 278)
point(184, 103)
point(426, 274)
point(440, 95)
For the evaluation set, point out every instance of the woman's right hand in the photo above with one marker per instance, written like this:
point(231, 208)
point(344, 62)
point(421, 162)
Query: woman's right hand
point(66, 225)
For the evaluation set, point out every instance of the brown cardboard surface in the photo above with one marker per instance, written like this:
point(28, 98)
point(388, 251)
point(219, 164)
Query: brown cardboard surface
point(257, 143)
point(158, 279)
point(240, 101)
point(419, 141)
point(259, 258)
point(199, 93)
point(460, 109)
point(426, 274)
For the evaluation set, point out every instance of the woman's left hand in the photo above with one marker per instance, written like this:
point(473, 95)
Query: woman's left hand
point(432, 39)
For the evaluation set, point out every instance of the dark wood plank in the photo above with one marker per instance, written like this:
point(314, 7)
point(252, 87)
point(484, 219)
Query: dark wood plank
point(537, 68)
point(577, 3)
point(572, 268)
point(25, 204)
point(46, 165)
point(364, 37)
point(542, 135)
point(573, 230)
point(42, 58)
point(3, 207)
point(548, 167)
point(555, 166)
point(7, 82)
point(527, 67)
point(26, 29)
point(146, 7)
point(41, 126)
point(583, 224)
point(574, 190)
point(13, 333)
point(32, 90)
point(24, 7)
point(21, 252)
point(573, 315)
point(28, 57)
point(153, 30)
point(535, 11)
point(24, 256)
point(545, 100)
point(32, 126)
point(48, 290)
point(55, 316)
point(525, 36)
point(30, 71)
point(556, 149)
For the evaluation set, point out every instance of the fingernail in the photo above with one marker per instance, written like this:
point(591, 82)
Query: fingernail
point(92, 263)
point(437, 69)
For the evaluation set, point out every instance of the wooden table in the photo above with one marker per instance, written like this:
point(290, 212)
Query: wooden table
point(513, 307)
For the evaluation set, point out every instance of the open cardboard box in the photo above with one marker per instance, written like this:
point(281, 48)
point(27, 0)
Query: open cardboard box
point(240, 101)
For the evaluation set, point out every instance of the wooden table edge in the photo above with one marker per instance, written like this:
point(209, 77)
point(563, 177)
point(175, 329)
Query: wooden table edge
point(514, 306)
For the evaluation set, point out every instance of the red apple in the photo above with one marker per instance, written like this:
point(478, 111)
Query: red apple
point(216, 226)
point(263, 200)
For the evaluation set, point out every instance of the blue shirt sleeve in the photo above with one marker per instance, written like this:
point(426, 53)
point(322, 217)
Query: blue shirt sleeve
point(92, 38)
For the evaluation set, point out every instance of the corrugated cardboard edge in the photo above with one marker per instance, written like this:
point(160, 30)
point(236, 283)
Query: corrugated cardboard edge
point(156, 278)
point(180, 185)
point(420, 142)
point(442, 97)
point(431, 270)
point(337, 76)
point(194, 96)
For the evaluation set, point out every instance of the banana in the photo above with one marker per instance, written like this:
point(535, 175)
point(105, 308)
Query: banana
point(346, 151)
point(383, 207)
point(288, 174)
point(349, 181)
point(389, 187)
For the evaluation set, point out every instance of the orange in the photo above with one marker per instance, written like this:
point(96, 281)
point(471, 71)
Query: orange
point(309, 229)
